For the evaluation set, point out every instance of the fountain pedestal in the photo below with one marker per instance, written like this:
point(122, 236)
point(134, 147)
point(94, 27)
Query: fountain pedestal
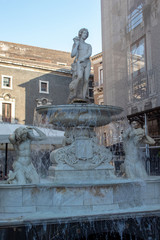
point(81, 159)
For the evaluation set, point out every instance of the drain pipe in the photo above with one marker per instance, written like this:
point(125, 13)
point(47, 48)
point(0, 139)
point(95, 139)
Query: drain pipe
point(6, 160)
point(146, 132)
point(147, 146)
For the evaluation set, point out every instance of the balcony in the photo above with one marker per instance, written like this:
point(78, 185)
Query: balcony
point(97, 87)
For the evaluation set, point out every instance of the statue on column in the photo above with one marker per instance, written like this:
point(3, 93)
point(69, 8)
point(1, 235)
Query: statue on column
point(81, 67)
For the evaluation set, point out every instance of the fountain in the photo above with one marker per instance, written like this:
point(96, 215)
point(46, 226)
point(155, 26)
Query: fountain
point(81, 185)
point(81, 159)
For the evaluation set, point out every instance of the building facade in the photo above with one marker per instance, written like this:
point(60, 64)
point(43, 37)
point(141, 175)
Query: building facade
point(98, 79)
point(30, 77)
point(131, 58)
point(98, 93)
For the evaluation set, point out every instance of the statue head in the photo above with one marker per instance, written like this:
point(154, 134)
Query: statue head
point(83, 30)
point(21, 134)
point(135, 124)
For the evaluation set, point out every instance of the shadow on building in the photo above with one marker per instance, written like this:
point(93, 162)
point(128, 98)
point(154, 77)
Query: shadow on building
point(45, 89)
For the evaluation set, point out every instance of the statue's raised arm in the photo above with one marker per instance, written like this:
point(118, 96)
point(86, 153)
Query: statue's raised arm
point(75, 47)
point(41, 135)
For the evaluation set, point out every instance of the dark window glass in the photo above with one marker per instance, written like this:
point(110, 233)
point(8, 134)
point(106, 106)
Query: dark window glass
point(43, 87)
point(101, 76)
point(6, 82)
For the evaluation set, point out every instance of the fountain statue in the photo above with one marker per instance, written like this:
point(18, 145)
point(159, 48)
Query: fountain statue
point(80, 68)
point(133, 137)
point(23, 170)
point(81, 158)
point(81, 184)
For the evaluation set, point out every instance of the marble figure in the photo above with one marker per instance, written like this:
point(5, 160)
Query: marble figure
point(81, 67)
point(23, 170)
point(133, 138)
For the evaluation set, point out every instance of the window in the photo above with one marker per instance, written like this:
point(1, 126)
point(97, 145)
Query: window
point(43, 86)
point(139, 87)
point(138, 57)
point(90, 90)
point(6, 112)
point(153, 127)
point(138, 69)
point(104, 138)
point(62, 64)
point(6, 82)
point(7, 108)
point(100, 70)
point(90, 84)
point(135, 18)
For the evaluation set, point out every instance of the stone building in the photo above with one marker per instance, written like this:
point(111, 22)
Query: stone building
point(30, 77)
point(131, 58)
point(110, 134)
point(98, 93)
point(98, 79)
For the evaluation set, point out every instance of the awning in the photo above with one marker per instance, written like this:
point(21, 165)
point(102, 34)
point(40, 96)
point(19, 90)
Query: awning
point(151, 114)
point(53, 136)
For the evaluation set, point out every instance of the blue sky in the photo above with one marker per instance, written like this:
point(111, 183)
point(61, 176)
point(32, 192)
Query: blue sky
point(50, 23)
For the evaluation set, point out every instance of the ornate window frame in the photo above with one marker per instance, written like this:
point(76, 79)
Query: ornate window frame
point(6, 98)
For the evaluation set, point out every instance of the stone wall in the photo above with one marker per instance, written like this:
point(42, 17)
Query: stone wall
point(116, 44)
point(52, 202)
point(25, 89)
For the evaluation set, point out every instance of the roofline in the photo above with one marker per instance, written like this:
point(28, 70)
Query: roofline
point(97, 55)
point(42, 67)
point(25, 45)
point(30, 65)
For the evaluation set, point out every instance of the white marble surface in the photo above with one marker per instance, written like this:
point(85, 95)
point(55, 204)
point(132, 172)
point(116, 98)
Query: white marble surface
point(19, 203)
point(133, 138)
point(81, 51)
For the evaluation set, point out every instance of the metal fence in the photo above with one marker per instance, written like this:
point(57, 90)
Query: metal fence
point(152, 162)
point(153, 165)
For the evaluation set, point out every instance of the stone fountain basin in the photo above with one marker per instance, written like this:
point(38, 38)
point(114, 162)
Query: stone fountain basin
point(73, 115)
point(23, 204)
